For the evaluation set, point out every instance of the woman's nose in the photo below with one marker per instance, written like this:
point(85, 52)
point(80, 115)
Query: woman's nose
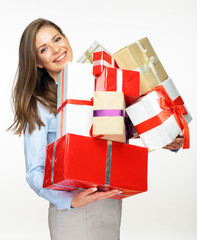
point(55, 48)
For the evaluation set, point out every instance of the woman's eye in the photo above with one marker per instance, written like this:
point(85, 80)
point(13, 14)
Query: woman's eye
point(57, 39)
point(43, 50)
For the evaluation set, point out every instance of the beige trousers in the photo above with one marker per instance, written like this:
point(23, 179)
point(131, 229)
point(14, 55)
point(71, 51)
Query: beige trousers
point(97, 221)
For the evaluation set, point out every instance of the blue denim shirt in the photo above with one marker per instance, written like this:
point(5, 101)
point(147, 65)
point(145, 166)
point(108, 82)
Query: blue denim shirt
point(35, 152)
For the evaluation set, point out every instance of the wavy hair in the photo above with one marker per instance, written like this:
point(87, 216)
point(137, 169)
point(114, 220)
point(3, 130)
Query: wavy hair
point(32, 84)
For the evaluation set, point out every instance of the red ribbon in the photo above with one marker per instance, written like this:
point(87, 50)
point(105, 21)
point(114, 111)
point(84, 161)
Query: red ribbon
point(91, 133)
point(75, 102)
point(169, 107)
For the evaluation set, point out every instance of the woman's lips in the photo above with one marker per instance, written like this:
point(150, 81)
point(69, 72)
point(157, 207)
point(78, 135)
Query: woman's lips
point(61, 58)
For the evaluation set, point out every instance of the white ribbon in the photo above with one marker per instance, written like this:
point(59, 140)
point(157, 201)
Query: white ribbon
point(119, 80)
point(102, 62)
point(149, 63)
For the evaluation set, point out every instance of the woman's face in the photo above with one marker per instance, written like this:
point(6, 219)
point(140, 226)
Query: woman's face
point(53, 50)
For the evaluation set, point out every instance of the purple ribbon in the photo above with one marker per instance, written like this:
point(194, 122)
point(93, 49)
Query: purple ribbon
point(129, 132)
point(108, 113)
point(116, 112)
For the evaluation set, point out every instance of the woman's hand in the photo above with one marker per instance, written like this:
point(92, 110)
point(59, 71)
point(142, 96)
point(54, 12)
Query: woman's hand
point(91, 195)
point(176, 144)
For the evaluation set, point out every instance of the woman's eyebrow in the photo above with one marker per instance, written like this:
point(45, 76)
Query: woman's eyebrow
point(43, 45)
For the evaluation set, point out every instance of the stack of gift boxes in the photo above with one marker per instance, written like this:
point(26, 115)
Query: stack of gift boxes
point(99, 104)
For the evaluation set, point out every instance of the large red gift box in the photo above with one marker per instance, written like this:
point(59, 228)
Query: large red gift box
point(114, 79)
point(75, 161)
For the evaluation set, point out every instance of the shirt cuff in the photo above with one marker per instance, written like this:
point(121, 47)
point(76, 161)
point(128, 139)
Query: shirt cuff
point(175, 150)
point(64, 200)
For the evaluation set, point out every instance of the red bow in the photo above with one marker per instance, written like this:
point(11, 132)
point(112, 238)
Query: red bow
point(169, 107)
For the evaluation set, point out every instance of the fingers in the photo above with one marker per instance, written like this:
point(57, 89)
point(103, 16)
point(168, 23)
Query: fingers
point(182, 134)
point(171, 147)
point(102, 195)
point(110, 194)
point(87, 192)
point(176, 144)
point(91, 195)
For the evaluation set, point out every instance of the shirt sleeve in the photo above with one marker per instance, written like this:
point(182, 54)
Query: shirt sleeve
point(35, 152)
point(175, 150)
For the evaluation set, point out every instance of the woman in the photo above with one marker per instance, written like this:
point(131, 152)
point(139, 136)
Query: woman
point(44, 51)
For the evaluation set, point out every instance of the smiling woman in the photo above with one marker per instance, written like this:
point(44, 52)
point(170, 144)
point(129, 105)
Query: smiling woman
point(44, 51)
point(35, 84)
point(53, 50)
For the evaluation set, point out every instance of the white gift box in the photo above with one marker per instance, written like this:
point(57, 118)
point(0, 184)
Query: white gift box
point(75, 91)
point(148, 107)
point(174, 94)
point(87, 56)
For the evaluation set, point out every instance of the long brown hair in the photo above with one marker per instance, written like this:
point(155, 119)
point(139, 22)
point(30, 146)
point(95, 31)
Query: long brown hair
point(32, 83)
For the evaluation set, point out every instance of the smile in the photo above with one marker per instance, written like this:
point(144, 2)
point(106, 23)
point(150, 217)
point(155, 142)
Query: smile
point(60, 58)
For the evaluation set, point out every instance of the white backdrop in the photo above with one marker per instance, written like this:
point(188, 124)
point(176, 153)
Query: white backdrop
point(169, 209)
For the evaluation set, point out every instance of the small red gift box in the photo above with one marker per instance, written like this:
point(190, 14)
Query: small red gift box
point(114, 79)
point(101, 60)
point(75, 161)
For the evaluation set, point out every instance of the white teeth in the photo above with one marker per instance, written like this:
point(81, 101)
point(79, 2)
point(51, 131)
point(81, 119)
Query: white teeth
point(60, 58)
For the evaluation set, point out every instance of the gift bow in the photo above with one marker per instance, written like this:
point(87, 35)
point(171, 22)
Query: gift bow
point(169, 107)
point(175, 107)
point(149, 62)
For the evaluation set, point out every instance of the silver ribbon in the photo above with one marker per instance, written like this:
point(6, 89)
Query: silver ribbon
point(108, 163)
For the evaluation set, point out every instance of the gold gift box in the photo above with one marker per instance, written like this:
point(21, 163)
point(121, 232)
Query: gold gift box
point(140, 56)
point(109, 124)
